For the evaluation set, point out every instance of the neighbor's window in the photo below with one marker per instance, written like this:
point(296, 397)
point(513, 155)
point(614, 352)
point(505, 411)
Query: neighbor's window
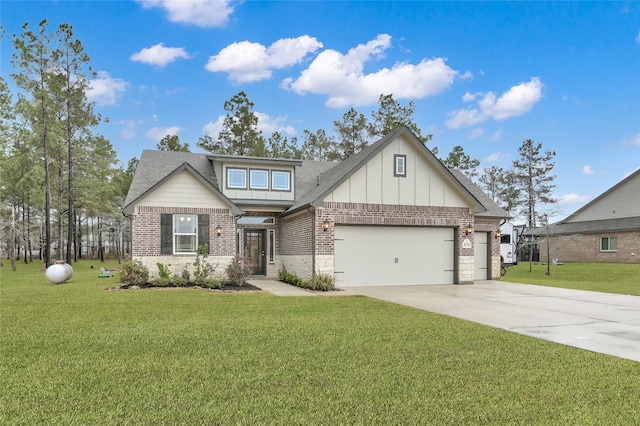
point(237, 178)
point(609, 244)
point(280, 180)
point(400, 165)
point(185, 233)
point(259, 179)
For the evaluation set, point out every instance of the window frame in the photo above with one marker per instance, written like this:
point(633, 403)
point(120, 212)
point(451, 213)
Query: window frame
point(274, 187)
point(266, 180)
point(228, 175)
point(399, 162)
point(272, 246)
point(175, 234)
point(609, 240)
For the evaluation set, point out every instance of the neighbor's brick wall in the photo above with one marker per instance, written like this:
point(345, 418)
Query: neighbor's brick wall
point(585, 248)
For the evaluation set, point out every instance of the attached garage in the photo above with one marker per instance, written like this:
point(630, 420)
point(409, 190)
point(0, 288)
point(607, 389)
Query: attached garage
point(393, 255)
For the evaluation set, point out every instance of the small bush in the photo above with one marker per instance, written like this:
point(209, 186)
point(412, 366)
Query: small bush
point(322, 282)
point(178, 281)
point(134, 273)
point(239, 269)
point(186, 276)
point(292, 279)
point(203, 269)
point(163, 270)
point(162, 282)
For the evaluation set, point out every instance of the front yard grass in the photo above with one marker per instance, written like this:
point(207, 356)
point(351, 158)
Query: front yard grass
point(75, 353)
point(604, 277)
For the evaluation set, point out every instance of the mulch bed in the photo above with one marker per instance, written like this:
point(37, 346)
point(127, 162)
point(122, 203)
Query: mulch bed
point(226, 288)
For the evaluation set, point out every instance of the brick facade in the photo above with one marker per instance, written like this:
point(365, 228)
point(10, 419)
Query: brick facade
point(585, 248)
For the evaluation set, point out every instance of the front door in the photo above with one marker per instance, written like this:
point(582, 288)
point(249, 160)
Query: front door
point(254, 243)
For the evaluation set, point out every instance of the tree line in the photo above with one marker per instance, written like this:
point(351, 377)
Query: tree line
point(60, 181)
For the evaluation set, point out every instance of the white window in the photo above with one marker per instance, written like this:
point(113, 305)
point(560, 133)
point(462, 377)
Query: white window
point(185, 233)
point(272, 246)
point(400, 162)
point(280, 180)
point(237, 178)
point(609, 244)
point(259, 179)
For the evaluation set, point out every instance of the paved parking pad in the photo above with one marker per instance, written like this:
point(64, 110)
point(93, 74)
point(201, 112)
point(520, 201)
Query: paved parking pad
point(599, 322)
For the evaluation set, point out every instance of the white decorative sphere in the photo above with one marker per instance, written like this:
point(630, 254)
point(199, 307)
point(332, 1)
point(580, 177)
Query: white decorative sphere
point(59, 273)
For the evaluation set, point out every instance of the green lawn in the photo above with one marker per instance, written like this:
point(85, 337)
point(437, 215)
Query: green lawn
point(75, 353)
point(604, 277)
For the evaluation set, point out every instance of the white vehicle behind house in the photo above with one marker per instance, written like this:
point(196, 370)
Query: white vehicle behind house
point(508, 245)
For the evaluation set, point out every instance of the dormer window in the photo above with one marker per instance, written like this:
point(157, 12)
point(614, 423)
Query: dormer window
point(280, 180)
point(400, 164)
point(236, 178)
point(259, 179)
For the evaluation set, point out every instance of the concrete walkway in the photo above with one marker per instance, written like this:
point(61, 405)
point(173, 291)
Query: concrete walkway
point(599, 322)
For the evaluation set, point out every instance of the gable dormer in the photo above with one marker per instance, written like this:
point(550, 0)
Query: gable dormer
point(248, 180)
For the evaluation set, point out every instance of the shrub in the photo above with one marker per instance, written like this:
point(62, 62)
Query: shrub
point(163, 270)
point(162, 282)
point(239, 269)
point(186, 276)
point(178, 281)
point(322, 282)
point(290, 278)
point(203, 269)
point(134, 273)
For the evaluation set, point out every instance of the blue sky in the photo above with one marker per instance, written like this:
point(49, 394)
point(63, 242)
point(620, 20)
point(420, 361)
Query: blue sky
point(483, 75)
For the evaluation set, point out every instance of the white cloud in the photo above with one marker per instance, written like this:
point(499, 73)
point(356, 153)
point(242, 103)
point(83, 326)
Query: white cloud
point(159, 55)
point(518, 100)
point(246, 62)
point(104, 90)
point(496, 157)
point(476, 133)
point(157, 133)
point(587, 170)
point(632, 140)
point(129, 128)
point(497, 136)
point(266, 124)
point(342, 78)
point(201, 13)
point(638, 37)
point(572, 198)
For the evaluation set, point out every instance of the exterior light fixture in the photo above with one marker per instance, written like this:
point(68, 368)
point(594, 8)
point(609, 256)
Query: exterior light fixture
point(218, 230)
point(496, 235)
point(325, 225)
point(468, 230)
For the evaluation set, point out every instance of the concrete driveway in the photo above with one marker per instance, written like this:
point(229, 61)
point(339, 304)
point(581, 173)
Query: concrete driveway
point(598, 322)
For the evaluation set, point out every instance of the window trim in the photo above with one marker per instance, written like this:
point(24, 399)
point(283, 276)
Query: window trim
point(228, 180)
point(609, 239)
point(273, 185)
point(175, 234)
point(258, 188)
point(272, 246)
point(399, 162)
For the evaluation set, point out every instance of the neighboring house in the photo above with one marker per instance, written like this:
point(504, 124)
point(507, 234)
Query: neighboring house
point(391, 214)
point(605, 230)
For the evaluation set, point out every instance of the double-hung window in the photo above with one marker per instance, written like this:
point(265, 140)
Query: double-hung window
point(280, 180)
point(609, 244)
point(185, 233)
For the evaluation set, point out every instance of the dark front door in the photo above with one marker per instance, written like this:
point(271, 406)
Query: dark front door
point(254, 243)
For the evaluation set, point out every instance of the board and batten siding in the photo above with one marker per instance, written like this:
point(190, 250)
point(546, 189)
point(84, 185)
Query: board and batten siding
point(621, 202)
point(375, 183)
point(183, 190)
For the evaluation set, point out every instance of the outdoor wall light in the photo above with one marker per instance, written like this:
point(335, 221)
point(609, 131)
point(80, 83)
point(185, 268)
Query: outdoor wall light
point(325, 225)
point(496, 234)
point(218, 230)
point(468, 230)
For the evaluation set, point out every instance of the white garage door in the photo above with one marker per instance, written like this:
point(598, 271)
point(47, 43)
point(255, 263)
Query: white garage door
point(393, 255)
point(481, 256)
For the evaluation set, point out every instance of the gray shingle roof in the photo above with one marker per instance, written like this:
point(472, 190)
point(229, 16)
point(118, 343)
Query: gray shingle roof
point(493, 209)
